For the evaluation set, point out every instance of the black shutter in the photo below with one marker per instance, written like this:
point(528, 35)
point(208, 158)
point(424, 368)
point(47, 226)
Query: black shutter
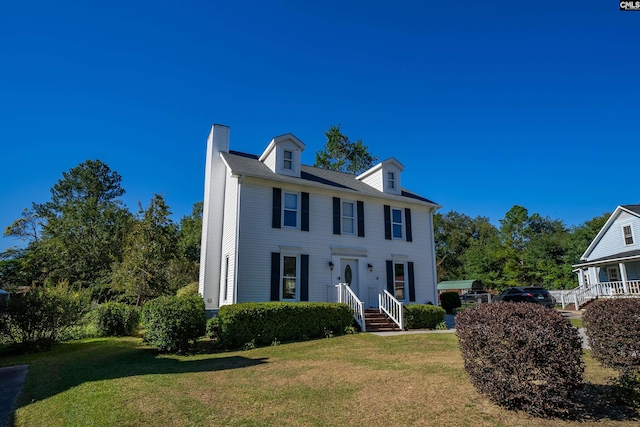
point(304, 226)
point(387, 222)
point(277, 204)
point(275, 276)
point(412, 283)
point(304, 277)
point(390, 277)
point(360, 219)
point(336, 215)
point(407, 218)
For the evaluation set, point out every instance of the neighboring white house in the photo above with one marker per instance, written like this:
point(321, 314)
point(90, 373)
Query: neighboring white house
point(610, 267)
point(275, 229)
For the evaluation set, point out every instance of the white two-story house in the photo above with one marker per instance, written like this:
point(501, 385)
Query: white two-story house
point(275, 229)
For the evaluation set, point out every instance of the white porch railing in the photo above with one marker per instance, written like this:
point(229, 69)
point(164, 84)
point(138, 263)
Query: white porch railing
point(347, 296)
point(580, 295)
point(393, 308)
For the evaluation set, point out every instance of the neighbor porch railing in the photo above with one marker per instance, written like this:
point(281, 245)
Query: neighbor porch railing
point(347, 296)
point(582, 294)
point(393, 308)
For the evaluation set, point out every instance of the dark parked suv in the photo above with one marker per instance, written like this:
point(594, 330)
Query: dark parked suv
point(529, 294)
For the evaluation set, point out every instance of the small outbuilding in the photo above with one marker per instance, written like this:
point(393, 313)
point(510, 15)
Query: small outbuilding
point(459, 286)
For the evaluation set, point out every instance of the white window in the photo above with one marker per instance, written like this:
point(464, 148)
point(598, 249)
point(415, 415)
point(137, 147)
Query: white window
point(348, 217)
point(627, 231)
point(396, 223)
point(399, 281)
point(290, 211)
point(288, 160)
point(391, 180)
point(614, 276)
point(289, 277)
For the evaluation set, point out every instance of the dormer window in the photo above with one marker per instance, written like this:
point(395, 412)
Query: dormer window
point(288, 160)
point(628, 235)
point(391, 180)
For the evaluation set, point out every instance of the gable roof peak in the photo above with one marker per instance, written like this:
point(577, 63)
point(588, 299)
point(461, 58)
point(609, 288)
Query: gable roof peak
point(281, 138)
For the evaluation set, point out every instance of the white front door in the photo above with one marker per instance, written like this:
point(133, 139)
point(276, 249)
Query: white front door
point(349, 273)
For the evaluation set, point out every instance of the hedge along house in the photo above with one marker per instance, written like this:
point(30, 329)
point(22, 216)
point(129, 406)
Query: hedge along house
point(275, 229)
point(610, 267)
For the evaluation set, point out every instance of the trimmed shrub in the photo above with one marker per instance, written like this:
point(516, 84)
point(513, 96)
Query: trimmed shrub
point(116, 319)
point(37, 319)
point(420, 316)
point(613, 329)
point(264, 323)
point(213, 327)
point(173, 324)
point(449, 301)
point(190, 289)
point(521, 356)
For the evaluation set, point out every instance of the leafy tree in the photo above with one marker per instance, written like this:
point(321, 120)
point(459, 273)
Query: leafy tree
point(341, 154)
point(83, 224)
point(190, 234)
point(150, 247)
point(582, 236)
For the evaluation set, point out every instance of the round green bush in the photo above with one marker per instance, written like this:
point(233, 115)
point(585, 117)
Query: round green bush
point(190, 289)
point(116, 319)
point(449, 301)
point(173, 324)
point(613, 329)
point(521, 356)
point(423, 316)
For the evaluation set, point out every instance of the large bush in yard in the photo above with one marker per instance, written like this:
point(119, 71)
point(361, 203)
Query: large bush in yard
point(613, 329)
point(40, 317)
point(449, 301)
point(264, 323)
point(116, 319)
point(418, 316)
point(521, 356)
point(173, 324)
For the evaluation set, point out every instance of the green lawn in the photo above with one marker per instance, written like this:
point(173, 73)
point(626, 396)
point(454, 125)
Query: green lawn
point(349, 380)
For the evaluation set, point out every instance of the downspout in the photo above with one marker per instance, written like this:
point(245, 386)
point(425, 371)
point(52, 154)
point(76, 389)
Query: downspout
point(433, 259)
point(235, 263)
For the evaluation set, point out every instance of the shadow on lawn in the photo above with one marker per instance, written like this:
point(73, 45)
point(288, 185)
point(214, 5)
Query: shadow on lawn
point(72, 364)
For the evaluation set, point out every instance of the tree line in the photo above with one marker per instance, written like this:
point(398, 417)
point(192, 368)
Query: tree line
point(524, 250)
point(85, 236)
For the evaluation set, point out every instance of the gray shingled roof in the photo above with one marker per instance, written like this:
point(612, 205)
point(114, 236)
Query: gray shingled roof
point(633, 208)
point(249, 165)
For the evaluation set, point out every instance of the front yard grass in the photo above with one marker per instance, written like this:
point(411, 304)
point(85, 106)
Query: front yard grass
point(350, 380)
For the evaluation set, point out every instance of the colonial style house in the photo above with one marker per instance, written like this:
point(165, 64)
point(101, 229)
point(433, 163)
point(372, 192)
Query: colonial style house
point(610, 267)
point(275, 229)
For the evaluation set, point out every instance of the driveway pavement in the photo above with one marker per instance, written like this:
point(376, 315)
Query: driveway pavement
point(11, 379)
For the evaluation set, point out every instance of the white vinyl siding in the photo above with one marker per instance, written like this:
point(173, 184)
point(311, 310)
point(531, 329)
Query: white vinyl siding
point(227, 273)
point(613, 240)
point(258, 240)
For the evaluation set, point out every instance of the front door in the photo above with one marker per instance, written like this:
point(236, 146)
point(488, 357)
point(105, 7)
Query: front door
point(349, 271)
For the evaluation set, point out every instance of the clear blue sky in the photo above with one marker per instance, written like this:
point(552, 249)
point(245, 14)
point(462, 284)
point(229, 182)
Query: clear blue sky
point(487, 104)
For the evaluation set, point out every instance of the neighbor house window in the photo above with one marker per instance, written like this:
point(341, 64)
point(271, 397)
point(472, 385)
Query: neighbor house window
point(391, 180)
point(348, 217)
point(290, 211)
point(399, 281)
point(396, 223)
point(288, 159)
point(628, 235)
point(289, 277)
point(613, 274)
